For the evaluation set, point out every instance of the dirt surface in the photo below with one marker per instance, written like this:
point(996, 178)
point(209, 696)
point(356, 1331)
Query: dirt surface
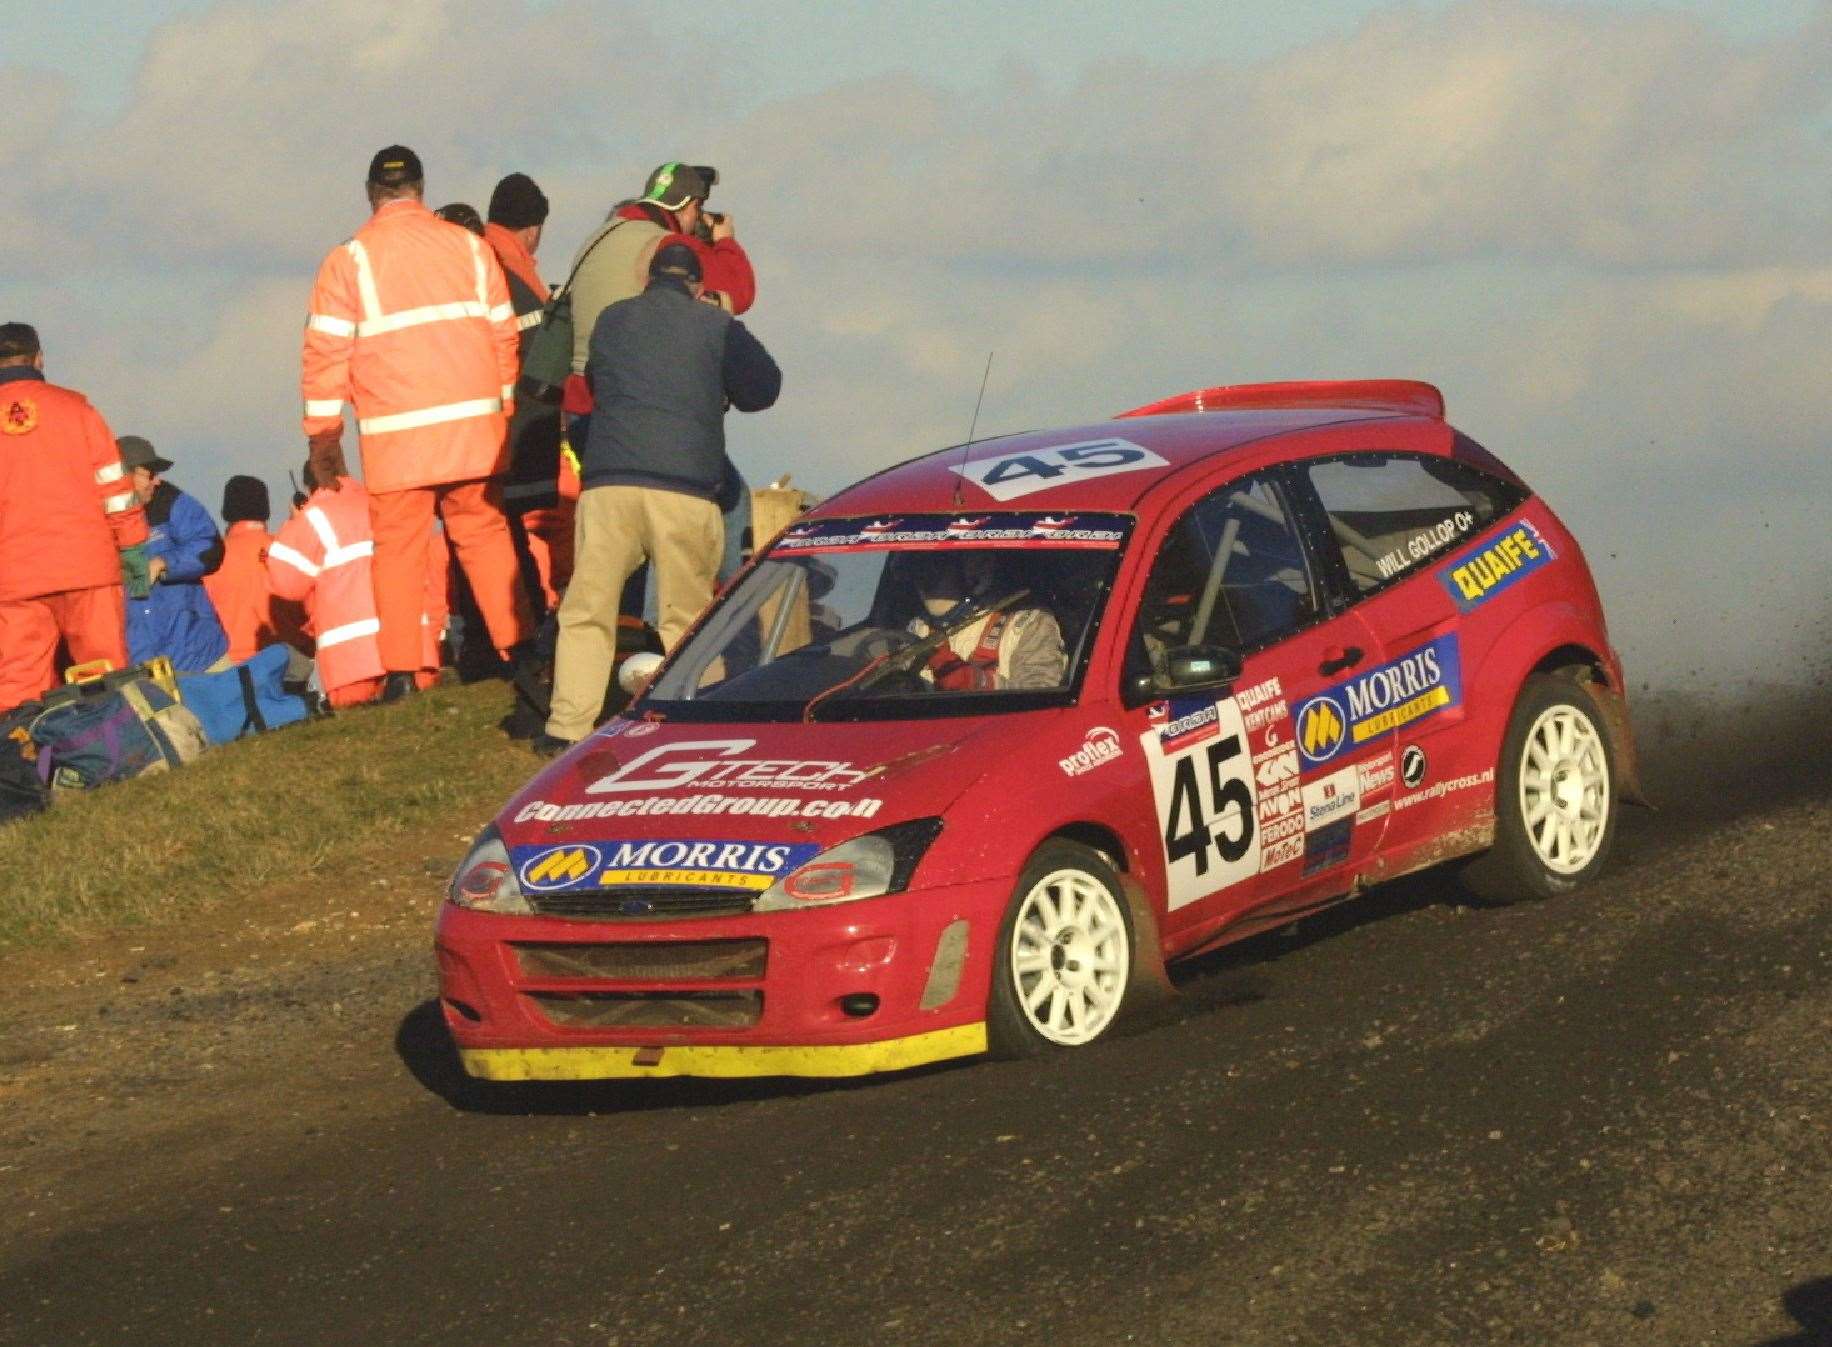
point(1602, 1119)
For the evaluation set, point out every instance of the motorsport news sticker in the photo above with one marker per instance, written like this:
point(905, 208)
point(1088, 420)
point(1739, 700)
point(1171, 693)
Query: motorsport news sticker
point(1420, 683)
point(1012, 475)
point(1478, 576)
point(933, 532)
point(697, 863)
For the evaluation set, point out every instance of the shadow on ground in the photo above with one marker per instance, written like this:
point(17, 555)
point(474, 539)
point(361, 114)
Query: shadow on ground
point(1810, 1305)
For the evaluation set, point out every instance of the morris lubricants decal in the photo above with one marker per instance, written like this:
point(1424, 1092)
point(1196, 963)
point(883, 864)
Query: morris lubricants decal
point(689, 863)
point(1419, 683)
point(1480, 575)
point(934, 532)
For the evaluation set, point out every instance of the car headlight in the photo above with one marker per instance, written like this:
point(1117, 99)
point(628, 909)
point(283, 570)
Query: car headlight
point(866, 867)
point(486, 881)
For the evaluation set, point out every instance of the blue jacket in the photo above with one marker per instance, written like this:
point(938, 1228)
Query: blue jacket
point(176, 619)
point(662, 367)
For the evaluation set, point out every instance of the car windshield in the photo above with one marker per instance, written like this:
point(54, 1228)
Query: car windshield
point(887, 618)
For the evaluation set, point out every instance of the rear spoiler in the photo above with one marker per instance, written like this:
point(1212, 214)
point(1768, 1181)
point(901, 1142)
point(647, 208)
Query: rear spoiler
point(1407, 397)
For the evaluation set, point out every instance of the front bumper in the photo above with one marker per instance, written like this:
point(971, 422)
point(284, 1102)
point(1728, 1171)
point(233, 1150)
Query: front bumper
point(883, 984)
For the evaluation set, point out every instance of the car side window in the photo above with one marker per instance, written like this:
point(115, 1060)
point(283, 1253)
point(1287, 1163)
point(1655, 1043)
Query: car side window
point(1389, 513)
point(1232, 572)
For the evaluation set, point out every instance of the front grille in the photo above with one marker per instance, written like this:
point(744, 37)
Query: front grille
point(659, 1010)
point(634, 902)
point(653, 961)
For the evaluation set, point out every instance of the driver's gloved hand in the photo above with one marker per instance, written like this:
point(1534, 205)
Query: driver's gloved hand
point(954, 674)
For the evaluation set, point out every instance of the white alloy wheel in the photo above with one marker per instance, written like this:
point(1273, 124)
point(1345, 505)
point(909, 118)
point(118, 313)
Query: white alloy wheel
point(1565, 793)
point(1070, 955)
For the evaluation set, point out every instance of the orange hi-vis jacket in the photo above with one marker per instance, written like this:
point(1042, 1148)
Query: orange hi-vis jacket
point(323, 556)
point(66, 506)
point(411, 323)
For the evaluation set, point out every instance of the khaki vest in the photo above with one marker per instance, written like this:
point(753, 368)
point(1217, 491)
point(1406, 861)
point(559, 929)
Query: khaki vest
point(616, 268)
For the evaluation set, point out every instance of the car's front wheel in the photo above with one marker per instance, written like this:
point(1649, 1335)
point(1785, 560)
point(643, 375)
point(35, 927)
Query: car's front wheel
point(1555, 796)
point(1064, 954)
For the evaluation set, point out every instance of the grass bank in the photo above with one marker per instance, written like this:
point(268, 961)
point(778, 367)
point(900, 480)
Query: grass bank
point(317, 803)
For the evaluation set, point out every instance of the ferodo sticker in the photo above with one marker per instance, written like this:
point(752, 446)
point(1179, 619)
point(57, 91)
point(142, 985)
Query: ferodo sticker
point(694, 863)
point(1478, 577)
point(1014, 475)
point(1202, 780)
point(1419, 683)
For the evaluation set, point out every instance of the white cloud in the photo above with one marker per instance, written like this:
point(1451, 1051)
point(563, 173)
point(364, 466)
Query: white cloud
point(1598, 230)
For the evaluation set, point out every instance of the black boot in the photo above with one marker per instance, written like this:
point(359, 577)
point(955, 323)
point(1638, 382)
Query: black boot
point(398, 686)
point(528, 674)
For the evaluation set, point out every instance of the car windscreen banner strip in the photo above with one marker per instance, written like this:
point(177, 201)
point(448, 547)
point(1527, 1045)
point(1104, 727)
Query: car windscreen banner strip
point(930, 532)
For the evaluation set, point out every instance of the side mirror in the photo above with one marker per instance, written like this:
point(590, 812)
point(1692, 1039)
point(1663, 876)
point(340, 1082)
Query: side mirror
point(1200, 666)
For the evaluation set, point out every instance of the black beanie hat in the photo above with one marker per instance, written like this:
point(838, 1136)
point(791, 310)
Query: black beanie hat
point(518, 203)
point(245, 498)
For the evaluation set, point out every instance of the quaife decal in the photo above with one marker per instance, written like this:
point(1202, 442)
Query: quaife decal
point(650, 806)
point(1262, 704)
point(720, 762)
point(1493, 567)
point(1425, 543)
point(939, 532)
point(1014, 475)
point(1101, 746)
point(672, 862)
point(1419, 683)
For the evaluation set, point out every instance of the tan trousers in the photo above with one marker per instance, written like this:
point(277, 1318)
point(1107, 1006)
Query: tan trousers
point(616, 529)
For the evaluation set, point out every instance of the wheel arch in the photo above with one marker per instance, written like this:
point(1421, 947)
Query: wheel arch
point(1150, 982)
point(1555, 639)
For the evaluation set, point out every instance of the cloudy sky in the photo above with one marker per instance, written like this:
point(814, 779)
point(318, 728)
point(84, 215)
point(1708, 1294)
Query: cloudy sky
point(1605, 230)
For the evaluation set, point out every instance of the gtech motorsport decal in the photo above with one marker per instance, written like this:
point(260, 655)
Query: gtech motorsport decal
point(699, 864)
point(1419, 683)
point(1494, 566)
point(719, 762)
point(933, 532)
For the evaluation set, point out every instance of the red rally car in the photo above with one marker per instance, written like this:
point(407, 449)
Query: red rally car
point(971, 751)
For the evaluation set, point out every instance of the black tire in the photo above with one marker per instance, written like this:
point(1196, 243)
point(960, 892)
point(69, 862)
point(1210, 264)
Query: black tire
point(1087, 964)
point(1555, 810)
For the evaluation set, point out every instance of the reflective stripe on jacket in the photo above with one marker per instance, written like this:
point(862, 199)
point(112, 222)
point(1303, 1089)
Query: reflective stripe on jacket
point(411, 324)
point(66, 505)
point(323, 556)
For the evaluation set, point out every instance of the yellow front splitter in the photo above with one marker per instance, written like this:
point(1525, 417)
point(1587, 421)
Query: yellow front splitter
point(838, 1059)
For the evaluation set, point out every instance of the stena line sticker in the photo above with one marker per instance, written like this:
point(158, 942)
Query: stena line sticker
point(1420, 683)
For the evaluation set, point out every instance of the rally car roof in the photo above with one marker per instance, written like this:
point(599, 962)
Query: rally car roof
point(1182, 430)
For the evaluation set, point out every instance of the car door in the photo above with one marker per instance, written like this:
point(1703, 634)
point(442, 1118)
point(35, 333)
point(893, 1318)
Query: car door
point(1233, 578)
point(1391, 519)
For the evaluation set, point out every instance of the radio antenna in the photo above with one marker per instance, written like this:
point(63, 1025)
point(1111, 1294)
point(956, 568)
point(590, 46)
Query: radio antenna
point(974, 424)
point(960, 480)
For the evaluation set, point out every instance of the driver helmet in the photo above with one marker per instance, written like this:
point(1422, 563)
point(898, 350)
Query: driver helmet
point(952, 578)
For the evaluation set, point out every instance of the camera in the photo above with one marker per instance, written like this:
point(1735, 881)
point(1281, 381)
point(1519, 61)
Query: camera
point(703, 227)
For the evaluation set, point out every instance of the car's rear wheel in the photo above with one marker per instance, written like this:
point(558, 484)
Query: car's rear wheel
point(1064, 954)
point(1555, 796)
